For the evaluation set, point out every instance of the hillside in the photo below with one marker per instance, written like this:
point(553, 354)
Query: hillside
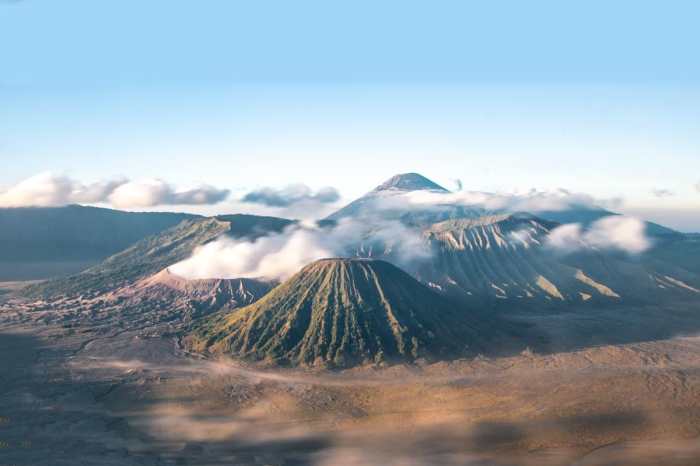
point(153, 254)
point(505, 257)
point(343, 312)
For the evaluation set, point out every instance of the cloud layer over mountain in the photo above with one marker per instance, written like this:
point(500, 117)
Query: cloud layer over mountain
point(281, 255)
point(532, 201)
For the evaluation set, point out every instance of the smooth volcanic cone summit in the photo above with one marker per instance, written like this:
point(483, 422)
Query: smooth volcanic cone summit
point(388, 201)
point(343, 312)
point(410, 182)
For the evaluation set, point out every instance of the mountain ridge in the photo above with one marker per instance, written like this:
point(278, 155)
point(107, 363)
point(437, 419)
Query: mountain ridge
point(155, 253)
point(40, 242)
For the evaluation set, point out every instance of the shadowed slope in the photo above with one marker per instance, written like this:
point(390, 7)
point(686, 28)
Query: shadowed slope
point(43, 242)
point(344, 312)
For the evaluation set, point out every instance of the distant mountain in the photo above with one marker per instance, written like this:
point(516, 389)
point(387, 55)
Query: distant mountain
point(387, 202)
point(40, 242)
point(479, 255)
point(409, 182)
point(155, 253)
point(378, 203)
point(343, 312)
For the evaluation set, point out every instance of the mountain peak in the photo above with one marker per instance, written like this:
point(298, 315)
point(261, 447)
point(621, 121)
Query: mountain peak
point(409, 182)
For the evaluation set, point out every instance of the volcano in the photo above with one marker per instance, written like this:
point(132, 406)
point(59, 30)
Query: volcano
point(409, 182)
point(344, 312)
point(388, 202)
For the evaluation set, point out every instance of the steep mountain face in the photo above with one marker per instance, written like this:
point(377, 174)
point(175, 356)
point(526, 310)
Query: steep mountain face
point(157, 252)
point(506, 257)
point(199, 296)
point(342, 312)
point(40, 242)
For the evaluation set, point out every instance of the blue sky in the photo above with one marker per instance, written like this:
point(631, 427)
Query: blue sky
point(598, 97)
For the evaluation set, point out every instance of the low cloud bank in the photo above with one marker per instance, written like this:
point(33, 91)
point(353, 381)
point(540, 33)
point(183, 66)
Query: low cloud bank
point(52, 190)
point(612, 233)
point(293, 194)
point(279, 256)
point(533, 201)
point(271, 257)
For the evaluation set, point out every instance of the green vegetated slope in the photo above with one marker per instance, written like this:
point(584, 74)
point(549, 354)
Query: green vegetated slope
point(343, 312)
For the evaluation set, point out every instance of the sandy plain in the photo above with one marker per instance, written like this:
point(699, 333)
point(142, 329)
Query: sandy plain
point(95, 382)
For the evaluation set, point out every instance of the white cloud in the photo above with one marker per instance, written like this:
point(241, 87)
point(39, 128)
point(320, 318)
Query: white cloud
point(533, 201)
point(271, 257)
point(48, 189)
point(292, 194)
point(660, 192)
point(153, 192)
point(281, 255)
point(567, 237)
point(613, 232)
